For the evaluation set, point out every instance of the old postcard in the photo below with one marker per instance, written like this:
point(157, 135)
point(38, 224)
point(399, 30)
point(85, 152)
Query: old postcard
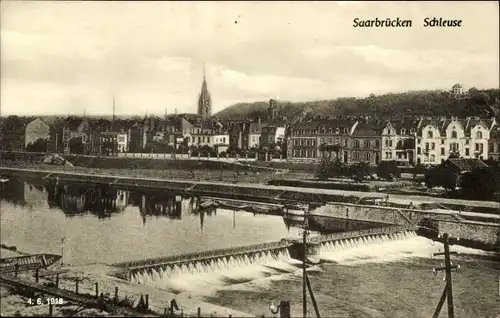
point(250, 159)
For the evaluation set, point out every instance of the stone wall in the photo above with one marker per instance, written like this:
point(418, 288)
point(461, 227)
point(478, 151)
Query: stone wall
point(374, 213)
point(486, 233)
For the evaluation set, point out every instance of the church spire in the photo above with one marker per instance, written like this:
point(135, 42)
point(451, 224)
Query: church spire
point(204, 99)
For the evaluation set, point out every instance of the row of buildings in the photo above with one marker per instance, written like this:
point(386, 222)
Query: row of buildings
point(425, 140)
point(409, 141)
point(351, 140)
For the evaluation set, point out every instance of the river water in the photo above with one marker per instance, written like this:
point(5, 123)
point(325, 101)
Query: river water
point(383, 279)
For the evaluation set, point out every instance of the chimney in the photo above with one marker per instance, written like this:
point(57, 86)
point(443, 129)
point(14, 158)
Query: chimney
point(258, 119)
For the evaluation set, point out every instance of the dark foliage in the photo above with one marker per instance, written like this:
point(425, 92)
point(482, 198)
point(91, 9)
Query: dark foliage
point(388, 170)
point(429, 103)
point(481, 183)
point(441, 176)
point(76, 145)
point(40, 145)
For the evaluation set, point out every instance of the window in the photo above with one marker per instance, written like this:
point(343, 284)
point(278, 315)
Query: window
point(345, 143)
point(367, 156)
point(433, 145)
point(419, 140)
point(479, 148)
point(430, 134)
point(467, 151)
point(337, 130)
point(403, 131)
point(433, 158)
point(355, 144)
point(442, 151)
point(366, 144)
point(442, 141)
point(454, 134)
point(377, 143)
point(387, 143)
point(427, 146)
point(454, 147)
point(479, 135)
point(346, 131)
point(467, 141)
point(419, 151)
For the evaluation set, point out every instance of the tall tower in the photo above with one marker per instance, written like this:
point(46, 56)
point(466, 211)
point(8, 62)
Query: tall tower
point(204, 100)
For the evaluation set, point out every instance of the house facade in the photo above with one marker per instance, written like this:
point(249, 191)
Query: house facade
point(364, 145)
point(398, 142)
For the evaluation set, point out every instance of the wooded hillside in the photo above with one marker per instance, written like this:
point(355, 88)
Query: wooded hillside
point(415, 103)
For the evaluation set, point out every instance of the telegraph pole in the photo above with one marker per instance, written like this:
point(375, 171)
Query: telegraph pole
point(448, 290)
point(304, 265)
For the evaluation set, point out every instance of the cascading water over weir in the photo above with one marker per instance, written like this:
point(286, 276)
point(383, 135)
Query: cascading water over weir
point(151, 270)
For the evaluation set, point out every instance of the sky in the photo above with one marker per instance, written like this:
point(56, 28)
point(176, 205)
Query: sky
point(71, 57)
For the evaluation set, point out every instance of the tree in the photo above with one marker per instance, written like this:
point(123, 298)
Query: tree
point(388, 170)
point(359, 171)
point(39, 145)
point(76, 145)
point(323, 170)
point(441, 176)
point(481, 183)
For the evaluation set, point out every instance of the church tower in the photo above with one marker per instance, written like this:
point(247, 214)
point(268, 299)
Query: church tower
point(204, 100)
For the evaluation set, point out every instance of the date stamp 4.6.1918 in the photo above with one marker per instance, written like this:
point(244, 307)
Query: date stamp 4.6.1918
point(45, 301)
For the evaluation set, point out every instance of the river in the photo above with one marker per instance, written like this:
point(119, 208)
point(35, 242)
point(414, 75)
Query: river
point(390, 279)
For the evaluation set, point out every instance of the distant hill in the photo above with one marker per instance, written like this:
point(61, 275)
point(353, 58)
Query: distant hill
point(414, 103)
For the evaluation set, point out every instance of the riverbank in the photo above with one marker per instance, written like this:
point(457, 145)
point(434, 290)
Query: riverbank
point(267, 193)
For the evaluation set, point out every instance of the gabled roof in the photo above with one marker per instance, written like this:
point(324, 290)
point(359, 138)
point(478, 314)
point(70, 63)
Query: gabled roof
point(473, 122)
point(404, 123)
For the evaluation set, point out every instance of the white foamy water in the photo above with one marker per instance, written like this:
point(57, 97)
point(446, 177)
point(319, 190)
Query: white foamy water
point(386, 248)
point(244, 273)
point(207, 278)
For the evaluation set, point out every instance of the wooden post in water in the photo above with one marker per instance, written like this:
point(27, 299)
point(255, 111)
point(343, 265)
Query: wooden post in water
point(36, 275)
point(57, 280)
point(77, 280)
point(147, 301)
point(51, 310)
point(16, 268)
point(97, 289)
point(199, 312)
point(116, 295)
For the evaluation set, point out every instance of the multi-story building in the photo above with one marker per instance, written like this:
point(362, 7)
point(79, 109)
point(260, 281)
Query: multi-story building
point(477, 134)
point(211, 134)
point(251, 135)
point(365, 143)
point(438, 139)
point(75, 135)
point(13, 133)
point(398, 141)
point(319, 138)
point(237, 135)
point(494, 143)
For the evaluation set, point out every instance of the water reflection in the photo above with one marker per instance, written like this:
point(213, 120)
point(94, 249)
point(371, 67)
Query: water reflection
point(105, 224)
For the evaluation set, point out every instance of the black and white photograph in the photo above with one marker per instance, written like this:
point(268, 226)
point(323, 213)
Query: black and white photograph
point(232, 159)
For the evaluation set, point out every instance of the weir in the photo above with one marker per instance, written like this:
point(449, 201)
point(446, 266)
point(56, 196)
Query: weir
point(143, 271)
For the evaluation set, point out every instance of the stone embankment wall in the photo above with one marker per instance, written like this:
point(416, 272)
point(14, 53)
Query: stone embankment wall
point(487, 233)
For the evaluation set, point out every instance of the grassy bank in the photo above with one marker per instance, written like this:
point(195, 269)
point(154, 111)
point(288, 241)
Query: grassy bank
point(343, 185)
point(200, 173)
